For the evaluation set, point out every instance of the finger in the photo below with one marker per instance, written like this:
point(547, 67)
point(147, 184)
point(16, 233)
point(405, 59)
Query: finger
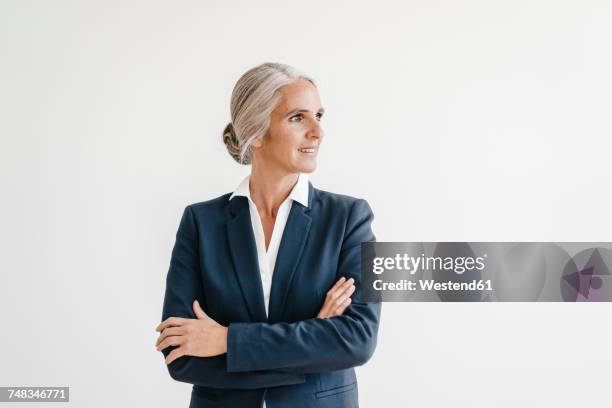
point(338, 283)
point(174, 354)
point(170, 341)
point(197, 309)
point(171, 321)
point(340, 309)
point(333, 296)
point(338, 291)
point(344, 295)
point(326, 309)
point(170, 331)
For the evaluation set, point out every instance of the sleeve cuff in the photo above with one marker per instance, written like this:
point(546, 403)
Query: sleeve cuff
point(242, 347)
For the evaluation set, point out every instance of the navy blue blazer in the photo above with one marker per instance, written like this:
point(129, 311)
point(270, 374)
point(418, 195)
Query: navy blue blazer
point(291, 357)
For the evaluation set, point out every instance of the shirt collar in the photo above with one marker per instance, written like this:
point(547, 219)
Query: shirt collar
point(299, 192)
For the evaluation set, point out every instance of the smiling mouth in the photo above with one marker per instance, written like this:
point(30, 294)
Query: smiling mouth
point(308, 150)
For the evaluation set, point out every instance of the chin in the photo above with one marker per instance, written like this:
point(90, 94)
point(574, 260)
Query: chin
point(307, 168)
point(302, 165)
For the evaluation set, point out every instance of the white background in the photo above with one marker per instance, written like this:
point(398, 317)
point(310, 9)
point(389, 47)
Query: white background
point(456, 120)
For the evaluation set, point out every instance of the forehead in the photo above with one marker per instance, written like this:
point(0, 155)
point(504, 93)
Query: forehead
point(300, 94)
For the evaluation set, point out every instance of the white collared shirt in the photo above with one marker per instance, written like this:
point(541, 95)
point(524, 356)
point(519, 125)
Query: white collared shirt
point(267, 259)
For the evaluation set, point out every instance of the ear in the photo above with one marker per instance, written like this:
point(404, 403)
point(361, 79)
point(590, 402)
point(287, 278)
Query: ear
point(257, 143)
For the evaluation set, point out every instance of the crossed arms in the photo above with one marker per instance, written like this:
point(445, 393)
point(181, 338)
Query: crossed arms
point(263, 355)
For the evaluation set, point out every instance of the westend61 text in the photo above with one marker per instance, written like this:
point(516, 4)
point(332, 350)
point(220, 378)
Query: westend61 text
point(431, 284)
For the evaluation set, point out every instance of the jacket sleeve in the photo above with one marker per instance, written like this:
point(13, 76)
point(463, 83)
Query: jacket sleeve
point(315, 345)
point(183, 286)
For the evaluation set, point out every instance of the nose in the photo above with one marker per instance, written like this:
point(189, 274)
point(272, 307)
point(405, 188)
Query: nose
point(315, 129)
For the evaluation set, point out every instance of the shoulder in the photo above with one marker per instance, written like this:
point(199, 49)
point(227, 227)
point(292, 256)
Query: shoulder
point(216, 202)
point(209, 209)
point(352, 214)
point(336, 202)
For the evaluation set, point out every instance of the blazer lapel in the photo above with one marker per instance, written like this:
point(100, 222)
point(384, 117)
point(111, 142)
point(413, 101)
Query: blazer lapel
point(244, 255)
point(289, 253)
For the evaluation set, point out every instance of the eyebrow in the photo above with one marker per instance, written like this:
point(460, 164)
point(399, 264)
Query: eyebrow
point(291, 112)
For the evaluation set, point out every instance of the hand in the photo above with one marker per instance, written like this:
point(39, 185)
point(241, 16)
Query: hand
point(337, 298)
point(201, 337)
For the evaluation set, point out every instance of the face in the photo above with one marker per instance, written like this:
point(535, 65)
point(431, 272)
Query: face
point(294, 136)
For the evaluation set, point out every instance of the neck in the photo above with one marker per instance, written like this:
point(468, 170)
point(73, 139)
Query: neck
point(269, 188)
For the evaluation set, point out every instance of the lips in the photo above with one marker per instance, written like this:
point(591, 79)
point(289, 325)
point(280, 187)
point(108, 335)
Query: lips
point(307, 149)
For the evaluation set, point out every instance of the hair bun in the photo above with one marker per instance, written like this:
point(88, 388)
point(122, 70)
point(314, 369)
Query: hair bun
point(231, 142)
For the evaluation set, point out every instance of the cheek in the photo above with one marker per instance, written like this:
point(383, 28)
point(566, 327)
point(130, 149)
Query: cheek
point(288, 138)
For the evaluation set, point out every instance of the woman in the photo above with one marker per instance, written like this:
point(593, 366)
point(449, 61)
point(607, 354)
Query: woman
point(258, 295)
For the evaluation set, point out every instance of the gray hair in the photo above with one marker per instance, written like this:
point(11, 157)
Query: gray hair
point(255, 96)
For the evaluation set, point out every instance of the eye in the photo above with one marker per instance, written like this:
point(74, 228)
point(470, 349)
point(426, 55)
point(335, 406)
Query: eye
point(319, 116)
point(296, 116)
